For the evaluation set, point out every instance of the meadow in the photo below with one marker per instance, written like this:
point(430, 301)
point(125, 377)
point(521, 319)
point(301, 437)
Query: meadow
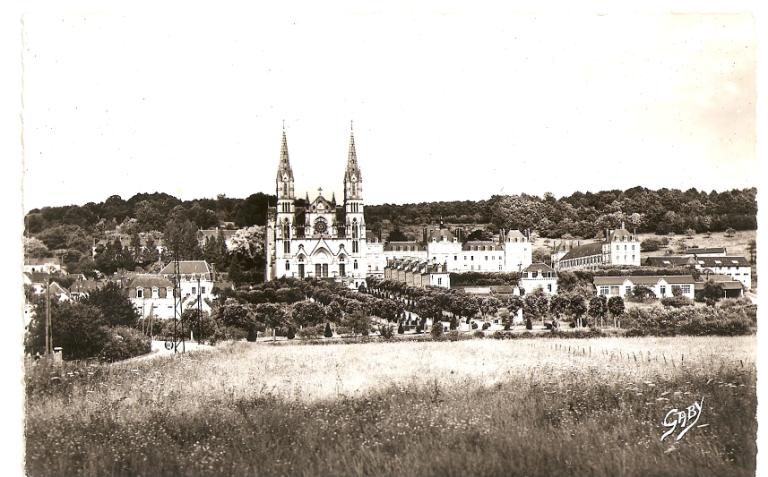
point(571, 407)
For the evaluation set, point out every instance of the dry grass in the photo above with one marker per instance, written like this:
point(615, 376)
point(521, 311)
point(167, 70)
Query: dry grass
point(479, 407)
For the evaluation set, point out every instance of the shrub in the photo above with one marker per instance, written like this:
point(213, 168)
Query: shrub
point(677, 301)
point(386, 331)
point(224, 333)
point(486, 325)
point(437, 329)
point(641, 294)
point(311, 332)
point(659, 321)
point(474, 325)
point(400, 329)
point(124, 343)
point(290, 333)
point(528, 324)
point(453, 335)
point(478, 334)
point(328, 333)
point(650, 245)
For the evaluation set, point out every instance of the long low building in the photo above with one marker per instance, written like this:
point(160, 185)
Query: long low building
point(416, 273)
point(661, 285)
point(737, 268)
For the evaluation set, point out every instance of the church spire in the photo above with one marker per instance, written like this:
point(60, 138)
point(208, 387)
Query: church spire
point(284, 167)
point(352, 167)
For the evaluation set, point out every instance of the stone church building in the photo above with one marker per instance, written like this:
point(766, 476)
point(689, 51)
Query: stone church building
point(319, 239)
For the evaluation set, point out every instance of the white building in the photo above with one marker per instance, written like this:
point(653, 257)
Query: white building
point(621, 248)
point(418, 274)
point(539, 275)
point(662, 286)
point(42, 265)
point(194, 276)
point(738, 268)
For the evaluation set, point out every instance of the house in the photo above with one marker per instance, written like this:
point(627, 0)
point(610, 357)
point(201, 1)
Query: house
point(194, 276)
point(82, 288)
point(42, 265)
point(152, 295)
point(620, 248)
point(539, 275)
point(731, 287)
point(661, 285)
point(738, 268)
point(706, 252)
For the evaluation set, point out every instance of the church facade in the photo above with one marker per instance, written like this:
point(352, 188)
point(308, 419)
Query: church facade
point(317, 239)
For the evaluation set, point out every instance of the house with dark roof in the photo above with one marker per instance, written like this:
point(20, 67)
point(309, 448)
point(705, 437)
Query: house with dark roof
point(670, 261)
point(539, 275)
point(418, 274)
point(738, 268)
point(661, 285)
point(620, 248)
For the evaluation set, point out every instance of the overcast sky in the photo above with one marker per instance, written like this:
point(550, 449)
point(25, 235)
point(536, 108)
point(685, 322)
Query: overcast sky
point(449, 103)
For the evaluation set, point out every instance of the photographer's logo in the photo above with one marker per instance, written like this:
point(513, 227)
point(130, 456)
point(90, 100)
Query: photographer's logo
point(682, 420)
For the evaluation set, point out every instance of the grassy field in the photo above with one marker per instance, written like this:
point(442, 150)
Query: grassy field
point(478, 407)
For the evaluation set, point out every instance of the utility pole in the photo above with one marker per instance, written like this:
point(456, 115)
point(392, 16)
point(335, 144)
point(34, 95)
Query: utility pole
point(48, 339)
point(199, 314)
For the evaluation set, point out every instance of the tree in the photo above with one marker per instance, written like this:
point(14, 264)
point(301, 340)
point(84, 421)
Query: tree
point(577, 307)
point(729, 232)
point(428, 307)
point(35, 248)
point(358, 322)
point(148, 217)
point(76, 327)
point(328, 333)
point(397, 235)
point(598, 308)
point(437, 329)
point(272, 315)
point(558, 305)
point(535, 304)
point(180, 237)
point(711, 293)
point(616, 308)
point(308, 313)
point(116, 308)
point(233, 313)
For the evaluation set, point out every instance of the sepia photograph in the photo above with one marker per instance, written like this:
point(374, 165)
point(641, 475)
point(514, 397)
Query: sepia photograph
point(386, 239)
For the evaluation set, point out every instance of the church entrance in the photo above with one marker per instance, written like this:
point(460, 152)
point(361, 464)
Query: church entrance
point(301, 270)
point(321, 270)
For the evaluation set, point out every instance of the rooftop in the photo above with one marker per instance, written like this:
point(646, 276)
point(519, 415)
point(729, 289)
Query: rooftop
point(586, 250)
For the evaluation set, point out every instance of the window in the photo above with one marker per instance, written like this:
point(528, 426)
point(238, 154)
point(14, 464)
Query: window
point(287, 247)
point(604, 289)
point(439, 281)
point(486, 258)
point(627, 290)
point(455, 257)
point(202, 290)
point(287, 265)
point(633, 248)
point(663, 290)
point(354, 265)
point(194, 290)
point(614, 289)
point(472, 257)
point(354, 246)
point(139, 293)
point(342, 270)
point(549, 287)
point(155, 292)
point(686, 289)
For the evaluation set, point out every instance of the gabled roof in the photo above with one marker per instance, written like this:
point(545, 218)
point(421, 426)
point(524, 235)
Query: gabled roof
point(539, 267)
point(515, 234)
point(84, 286)
point(149, 280)
point(711, 262)
point(669, 261)
point(413, 245)
point(646, 280)
point(187, 267)
point(726, 282)
point(620, 235)
point(440, 234)
point(586, 250)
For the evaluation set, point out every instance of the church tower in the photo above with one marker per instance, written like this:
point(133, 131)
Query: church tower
point(285, 202)
point(353, 198)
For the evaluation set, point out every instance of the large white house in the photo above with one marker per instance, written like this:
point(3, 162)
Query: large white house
point(738, 268)
point(620, 248)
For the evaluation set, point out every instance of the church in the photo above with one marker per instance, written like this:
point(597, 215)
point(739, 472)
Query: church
point(317, 239)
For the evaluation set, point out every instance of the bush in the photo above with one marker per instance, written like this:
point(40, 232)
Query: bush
point(486, 325)
point(386, 331)
point(478, 334)
point(474, 325)
point(453, 335)
point(400, 329)
point(650, 245)
point(528, 324)
point(124, 343)
point(677, 301)
point(641, 294)
point(311, 332)
point(290, 333)
point(224, 333)
point(328, 333)
point(700, 321)
point(437, 330)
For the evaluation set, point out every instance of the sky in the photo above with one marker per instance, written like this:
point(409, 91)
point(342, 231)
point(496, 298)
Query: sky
point(450, 101)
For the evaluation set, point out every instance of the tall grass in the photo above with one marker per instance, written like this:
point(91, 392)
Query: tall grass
point(478, 407)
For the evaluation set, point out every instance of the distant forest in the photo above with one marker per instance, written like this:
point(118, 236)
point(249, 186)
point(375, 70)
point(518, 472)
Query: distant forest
point(578, 215)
